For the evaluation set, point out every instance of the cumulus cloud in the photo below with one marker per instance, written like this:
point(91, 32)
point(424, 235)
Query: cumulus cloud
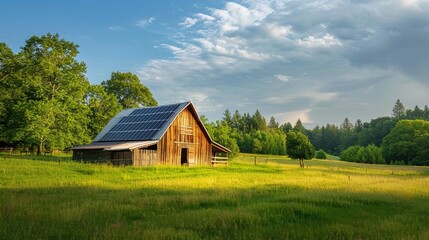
point(338, 52)
point(189, 22)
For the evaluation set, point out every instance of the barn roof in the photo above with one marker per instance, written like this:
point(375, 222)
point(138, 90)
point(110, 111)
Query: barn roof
point(137, 124)
point(140, 127)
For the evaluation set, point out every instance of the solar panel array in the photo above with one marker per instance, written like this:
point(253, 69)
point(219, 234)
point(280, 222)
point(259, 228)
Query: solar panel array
point(141, 124)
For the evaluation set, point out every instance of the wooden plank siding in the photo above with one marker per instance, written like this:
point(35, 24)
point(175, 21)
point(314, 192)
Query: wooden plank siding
point(184, 132)
point(145, 157)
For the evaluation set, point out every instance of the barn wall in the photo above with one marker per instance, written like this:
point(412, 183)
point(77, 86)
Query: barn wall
point(90, 155)
point(184, 132)
point(121, 157)
point(144, 157)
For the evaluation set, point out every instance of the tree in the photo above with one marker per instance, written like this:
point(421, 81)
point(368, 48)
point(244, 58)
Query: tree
point(426, 112)
point(376, 130)
point(299, 127)
point(103, 107)
point(258, 121)
point(299, 147)
point(273, 124)
point(50, 85)
point(358, 126)
point(10, 86)
point(227, 117)
point(408, 142)
point(222, 133)
point(346, 125)
point(417, 113)
point(129, 91)
point(398, 111)
point(315, 137)
point(286, 127)
point(236, 121)
point(330, 139)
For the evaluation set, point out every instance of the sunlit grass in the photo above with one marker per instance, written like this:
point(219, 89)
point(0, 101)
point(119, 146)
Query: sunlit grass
point(273, 199)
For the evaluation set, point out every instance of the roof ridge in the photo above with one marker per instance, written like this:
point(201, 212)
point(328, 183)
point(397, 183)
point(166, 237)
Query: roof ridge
point(165, 105)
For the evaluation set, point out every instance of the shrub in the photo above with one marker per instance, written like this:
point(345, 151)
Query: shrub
point(368, 154)
point(320, 154)
point(350, 154)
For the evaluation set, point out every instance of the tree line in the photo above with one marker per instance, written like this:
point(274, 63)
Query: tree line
point(251, 134)
point(377, 141)
point(46, 101)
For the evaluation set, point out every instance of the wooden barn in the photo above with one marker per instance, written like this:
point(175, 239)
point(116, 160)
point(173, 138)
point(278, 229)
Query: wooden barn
point(147, 136)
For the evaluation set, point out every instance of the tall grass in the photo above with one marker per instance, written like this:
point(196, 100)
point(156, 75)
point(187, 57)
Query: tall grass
point(273, 199)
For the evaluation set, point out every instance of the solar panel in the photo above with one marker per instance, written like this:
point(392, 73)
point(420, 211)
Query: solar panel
point(141, 124)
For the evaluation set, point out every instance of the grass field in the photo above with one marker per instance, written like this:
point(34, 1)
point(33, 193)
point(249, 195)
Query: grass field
point(275, 199)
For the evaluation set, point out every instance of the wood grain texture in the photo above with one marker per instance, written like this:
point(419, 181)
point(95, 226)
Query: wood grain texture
point(184, 132)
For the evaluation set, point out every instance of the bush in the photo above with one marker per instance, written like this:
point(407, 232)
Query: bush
point(350, 154)
point(320, 154)
point(368, 154)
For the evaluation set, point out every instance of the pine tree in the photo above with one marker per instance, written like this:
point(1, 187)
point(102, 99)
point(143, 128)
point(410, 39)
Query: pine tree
point(299, 127)
point(346, 125)
point(358, 126)
point(273, 123)
point(227, 117)
point(398, 111)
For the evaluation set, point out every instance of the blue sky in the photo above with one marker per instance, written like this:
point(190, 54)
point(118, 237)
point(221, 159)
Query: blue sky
point(320, 61)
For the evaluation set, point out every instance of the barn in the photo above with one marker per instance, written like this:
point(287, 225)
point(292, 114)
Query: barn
point(163, 135)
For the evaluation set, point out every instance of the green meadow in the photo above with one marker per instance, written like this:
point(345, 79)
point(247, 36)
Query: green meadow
point(274, 199)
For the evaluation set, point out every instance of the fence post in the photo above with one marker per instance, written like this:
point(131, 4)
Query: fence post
point(254, 160)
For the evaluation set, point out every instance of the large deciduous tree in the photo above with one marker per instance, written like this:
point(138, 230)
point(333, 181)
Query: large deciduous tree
point(49, 87)
point(129, 91)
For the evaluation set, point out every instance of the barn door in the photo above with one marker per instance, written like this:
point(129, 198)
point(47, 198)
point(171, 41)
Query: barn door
point(184, 156)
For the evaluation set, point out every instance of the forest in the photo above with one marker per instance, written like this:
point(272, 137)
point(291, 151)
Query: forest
point(46, 102)
point(402, 138)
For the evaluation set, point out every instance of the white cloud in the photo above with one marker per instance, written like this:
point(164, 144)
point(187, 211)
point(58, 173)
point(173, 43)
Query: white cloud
point(325, 41)
point(293, 116)
point(205, 18)
point(145, 22)
point(283, 78)
point(236, 16)
point(279, 31)
point(189, 22)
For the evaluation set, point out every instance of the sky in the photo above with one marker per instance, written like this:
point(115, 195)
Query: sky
point(320, 61)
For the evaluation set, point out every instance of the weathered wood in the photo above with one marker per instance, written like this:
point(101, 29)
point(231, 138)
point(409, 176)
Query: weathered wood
point(179, 136)
point(145, 157)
